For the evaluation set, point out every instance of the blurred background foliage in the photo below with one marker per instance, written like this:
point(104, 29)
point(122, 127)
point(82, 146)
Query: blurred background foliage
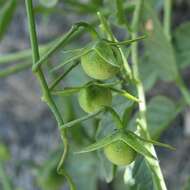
point(37, 153)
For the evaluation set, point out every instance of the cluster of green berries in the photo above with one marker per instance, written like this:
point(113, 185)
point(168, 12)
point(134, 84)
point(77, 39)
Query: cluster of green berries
point(93, 98)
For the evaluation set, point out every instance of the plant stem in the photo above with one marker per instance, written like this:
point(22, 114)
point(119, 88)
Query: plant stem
point(39, 74)
point(158, 179)
point(14, 69)
point(167, 29)
point(62, 41)
point(35, 53)
point(167, 18)
point(111, 37)
point(4, 179)
point(54, 83)
point(21, 55)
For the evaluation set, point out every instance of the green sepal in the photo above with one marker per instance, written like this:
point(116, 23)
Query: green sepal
point(134, 143)
point(152, 141)
point(105, 52)
point(126, 42)
point(71, 55)
point(126, 94)
point(100, 143)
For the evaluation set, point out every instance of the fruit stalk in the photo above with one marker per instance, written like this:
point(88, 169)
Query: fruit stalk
point(153, 164)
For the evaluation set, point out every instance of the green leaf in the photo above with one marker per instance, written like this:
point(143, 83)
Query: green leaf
point(100, 143)
point(107, 169)
point(142, 176)
point(160, 112)
point(148, 73)
point(80, 167)
point(105, 52)
point(182, 44)
point(134, 143)
point(158, 49)
point(6, 15)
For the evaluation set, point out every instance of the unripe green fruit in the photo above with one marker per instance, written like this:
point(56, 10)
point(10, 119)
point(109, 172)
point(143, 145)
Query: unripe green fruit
point(120, 153)
point(92, 98)
point(96, 67)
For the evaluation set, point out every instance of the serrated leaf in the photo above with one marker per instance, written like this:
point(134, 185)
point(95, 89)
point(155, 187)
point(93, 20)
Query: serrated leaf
point(148, 73)
point(182, 44)
point(160, 112)
point(158, 49)
point(142, 176)
point(100, 143)
point(136, 145)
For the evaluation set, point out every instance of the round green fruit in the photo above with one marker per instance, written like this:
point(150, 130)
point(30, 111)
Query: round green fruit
point(119, 153)
point(92, 98)
point(96, 67)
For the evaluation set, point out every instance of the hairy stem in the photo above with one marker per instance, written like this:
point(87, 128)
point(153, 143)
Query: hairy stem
point(153, 164)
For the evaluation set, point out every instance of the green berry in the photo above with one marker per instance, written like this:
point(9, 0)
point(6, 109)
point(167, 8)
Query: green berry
point(92, 98)
point(119, 153)
point(96, 67)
